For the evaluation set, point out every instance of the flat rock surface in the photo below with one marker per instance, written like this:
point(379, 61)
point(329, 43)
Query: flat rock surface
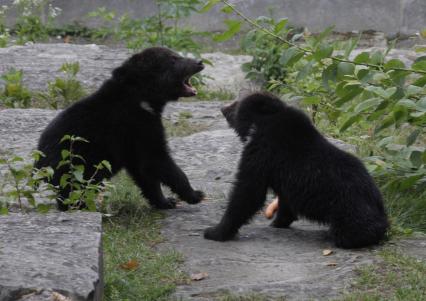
point(55, 252)
point(41, 62)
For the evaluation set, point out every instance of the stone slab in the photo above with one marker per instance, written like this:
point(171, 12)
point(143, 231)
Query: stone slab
point(53, 253)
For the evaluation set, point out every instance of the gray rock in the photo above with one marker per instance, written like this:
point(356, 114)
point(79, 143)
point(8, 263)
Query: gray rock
point(55, 252)
point(41, 62)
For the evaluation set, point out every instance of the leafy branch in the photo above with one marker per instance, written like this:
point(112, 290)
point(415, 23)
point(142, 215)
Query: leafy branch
point(306, 51)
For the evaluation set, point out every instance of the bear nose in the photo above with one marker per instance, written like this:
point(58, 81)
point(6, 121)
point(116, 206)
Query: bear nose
point(200, 62)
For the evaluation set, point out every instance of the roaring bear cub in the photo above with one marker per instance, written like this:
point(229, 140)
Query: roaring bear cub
point(122, 122)
point(311, 177)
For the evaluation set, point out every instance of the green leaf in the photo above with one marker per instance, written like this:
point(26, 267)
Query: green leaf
point(64, 181)
point(208, 6)
point(227, 9)
point(381, 92)
point(329, 74)
point(305, 71)
point(107, 165)
point(413, 90)
point(4, 211)
point(43, 208)
point(416, 158)
point(420, 66)
point(36, 155)
point(377, 58)
point(409, 182)
point(65, 154)
point(346, 93)
point(234, 27)
point(79, 139)
point(387, 122)
point(16, 159)
point(291, 56)
point(351, 120)
point(400, 114)
point(385, 141)
point(394, 63)
point(311, 100)
point(413, 137)
point(345, 69)
point(421, 82)
point(324, 51)
point(364, 74)
point(408, 103)
point(65, 138)
point(363, 57)
point(367, 104)
point(280, 25)
point(78, 173)
point(421, 104)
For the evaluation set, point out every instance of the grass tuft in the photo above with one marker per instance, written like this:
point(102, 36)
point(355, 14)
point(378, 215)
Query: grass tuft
point(130, 236)
point(396, 278)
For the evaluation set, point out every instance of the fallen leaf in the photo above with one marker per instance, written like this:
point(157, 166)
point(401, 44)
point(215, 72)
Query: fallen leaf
point(327, 252)
point(131, 265)
point(199, 276)
point(331, 264)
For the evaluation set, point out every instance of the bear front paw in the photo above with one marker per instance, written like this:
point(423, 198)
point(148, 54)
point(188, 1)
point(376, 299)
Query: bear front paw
point(197, 197)
point(282, 223)
point(167, 203)
point(216, 233)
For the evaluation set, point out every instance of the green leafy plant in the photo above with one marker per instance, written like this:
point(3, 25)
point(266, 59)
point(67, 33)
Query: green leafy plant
point(4, 31)
point(161, 29)
point(379, 98)
point(25, 183)
point(83, 188)
point(14, 94)
point(32, 23)
point(63, 91)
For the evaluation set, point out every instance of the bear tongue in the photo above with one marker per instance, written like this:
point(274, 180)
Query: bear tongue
point(189, 90)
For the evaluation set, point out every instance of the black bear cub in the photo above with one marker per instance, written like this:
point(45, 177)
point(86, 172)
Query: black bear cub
point(122, 122)
point(312, 178)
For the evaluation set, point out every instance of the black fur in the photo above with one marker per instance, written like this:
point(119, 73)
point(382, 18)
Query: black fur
point(122, 122)
point(312, 178)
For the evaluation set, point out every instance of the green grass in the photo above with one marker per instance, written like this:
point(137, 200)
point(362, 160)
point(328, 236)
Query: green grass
point(182, 127)
point(221, 94)
point(131, 234)
point(407, 211)
point(396, 278)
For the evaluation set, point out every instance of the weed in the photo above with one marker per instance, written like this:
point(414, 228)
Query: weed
point(396, 278)
point(63, 91)
point(14, 93)
point(182, 127)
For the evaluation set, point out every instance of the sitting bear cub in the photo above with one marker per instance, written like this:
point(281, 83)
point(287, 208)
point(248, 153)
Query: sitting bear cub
point(312, 178)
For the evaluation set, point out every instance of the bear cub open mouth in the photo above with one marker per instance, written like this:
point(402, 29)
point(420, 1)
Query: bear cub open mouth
point(188, 90)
